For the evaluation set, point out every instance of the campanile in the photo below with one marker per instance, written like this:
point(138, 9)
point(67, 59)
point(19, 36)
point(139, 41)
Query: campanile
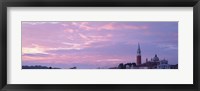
point(138, 58)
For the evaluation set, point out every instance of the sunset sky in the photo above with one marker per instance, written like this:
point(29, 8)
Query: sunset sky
point(97, 43)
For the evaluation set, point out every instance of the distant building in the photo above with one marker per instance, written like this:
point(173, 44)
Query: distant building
point(156, 63)
point(155, 59)
point(174, 66)
point(163, 65)
point(121, 66)
point(73, 68)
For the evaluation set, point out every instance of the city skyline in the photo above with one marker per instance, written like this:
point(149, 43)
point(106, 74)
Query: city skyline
point(97, 44)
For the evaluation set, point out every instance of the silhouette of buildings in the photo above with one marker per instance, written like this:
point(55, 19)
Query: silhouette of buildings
point(37, 67)
point(154, 63)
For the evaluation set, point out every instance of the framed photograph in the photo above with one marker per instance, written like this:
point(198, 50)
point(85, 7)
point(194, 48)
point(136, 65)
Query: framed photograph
point(91, 45)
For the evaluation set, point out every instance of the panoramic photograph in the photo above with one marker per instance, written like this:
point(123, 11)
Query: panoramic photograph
point(99, 45)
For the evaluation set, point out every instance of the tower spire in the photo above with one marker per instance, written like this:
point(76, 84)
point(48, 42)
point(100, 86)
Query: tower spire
point(138, 57)
point(139, 45)
point(138, 50)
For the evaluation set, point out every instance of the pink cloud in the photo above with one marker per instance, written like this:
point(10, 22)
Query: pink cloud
point(85, 26)
point(87, 41)
point(94, 59)
point(109, 26)
point(82, 41)
point(134, 27)
point(89, 26)
point(92, 39)
point(69, 30)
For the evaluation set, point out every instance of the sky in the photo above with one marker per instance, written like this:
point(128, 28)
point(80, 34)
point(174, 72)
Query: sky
point(94, 44)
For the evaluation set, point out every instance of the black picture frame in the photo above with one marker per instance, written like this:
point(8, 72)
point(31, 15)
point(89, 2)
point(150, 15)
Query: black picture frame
point(99, 3)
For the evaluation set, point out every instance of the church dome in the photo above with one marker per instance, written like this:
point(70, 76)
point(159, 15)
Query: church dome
point(156, 58)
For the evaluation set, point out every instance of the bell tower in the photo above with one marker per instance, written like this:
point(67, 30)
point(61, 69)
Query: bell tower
point(138, 58)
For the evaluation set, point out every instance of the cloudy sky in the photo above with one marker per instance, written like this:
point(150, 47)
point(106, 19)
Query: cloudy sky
point(97, 44)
